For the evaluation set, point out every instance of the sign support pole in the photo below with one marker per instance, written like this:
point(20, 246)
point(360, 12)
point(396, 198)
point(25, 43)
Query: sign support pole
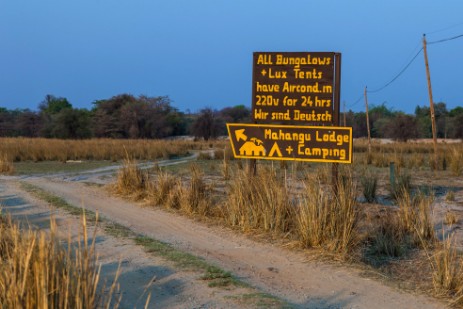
point(336, 111)
point(252, 169)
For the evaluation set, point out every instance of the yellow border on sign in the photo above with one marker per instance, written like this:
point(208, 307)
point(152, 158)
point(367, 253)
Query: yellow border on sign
point(293, 127)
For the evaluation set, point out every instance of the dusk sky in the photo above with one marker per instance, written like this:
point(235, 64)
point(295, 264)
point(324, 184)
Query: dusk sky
point(199, 53)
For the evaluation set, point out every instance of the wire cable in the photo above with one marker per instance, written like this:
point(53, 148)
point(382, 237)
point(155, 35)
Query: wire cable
point(409, 63)
point(398, 75)
point(446, 28)
point(445, 40)
point(356, 102)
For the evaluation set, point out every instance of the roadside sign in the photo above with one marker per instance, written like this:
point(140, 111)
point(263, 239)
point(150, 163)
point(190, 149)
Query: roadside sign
point(294, 87)
point(283, 142)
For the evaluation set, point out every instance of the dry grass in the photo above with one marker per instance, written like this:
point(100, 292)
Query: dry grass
point(456, 161)
point(415, 217)
point(450, 196)
point(447, 274)
point(369, 183)
point(260, 202)
point(314, 216)
point(40, 149)
point(327, 220)
point(37, 272)
point(450, 218)
point(345, 220)
point(412, 155)
point(196, 197)
point(131, 180)
point(389, 240)
point(163, 189)
point(300, 207)
point(6, 166)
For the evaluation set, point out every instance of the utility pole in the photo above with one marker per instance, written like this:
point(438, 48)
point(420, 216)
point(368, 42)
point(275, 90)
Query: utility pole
point(431, 102)
point(368, 125)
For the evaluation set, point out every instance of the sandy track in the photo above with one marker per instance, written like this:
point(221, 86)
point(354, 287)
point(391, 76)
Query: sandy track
point(286, 274)
point(141, 273)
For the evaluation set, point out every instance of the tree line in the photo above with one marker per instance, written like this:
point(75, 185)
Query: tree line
point(386, 123)
point(121, 116)
point(128, 116)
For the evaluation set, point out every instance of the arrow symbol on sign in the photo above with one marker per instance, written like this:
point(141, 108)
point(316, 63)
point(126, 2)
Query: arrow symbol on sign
point(240, 135)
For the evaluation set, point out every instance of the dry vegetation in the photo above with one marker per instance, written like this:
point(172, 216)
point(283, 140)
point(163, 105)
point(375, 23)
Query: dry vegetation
point(315, 217)
point(41, 149)
point(36, 271)
point(6, 165)
point(295, 203)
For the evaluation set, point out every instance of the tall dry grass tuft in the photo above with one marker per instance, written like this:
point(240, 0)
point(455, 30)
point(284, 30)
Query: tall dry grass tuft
point(389, 239)
point(6, 166)
point(456, 161)
point(402, 185)
point(260, 202)
point(160, 191)
point(369, 186)
point(196, 197)
point(164, 189)
point(381, 159)
point(37, 272)
point(328, 221)
point(447, 276)
point(131, 180)
point(415, 217)
point(313, 216)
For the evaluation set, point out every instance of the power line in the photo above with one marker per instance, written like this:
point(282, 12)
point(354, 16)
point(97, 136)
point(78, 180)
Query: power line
point(398, 75)
point(356, 102)
point(446, 28)
point(408, 64)
point(445, 40)
point(411, 61)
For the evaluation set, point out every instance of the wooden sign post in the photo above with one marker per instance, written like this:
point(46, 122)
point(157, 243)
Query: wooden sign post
point(299, 89)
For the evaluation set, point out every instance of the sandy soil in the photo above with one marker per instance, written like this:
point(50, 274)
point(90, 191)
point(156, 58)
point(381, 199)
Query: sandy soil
point(287, 274)
point(141, 274)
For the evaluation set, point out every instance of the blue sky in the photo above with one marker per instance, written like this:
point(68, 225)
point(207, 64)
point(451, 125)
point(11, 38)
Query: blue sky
point(199, 53)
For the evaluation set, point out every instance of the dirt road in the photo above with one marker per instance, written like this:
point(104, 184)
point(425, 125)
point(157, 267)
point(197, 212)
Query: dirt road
point(272, 269)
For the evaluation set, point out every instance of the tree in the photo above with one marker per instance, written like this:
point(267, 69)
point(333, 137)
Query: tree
point(207, 125)
point(358, 121)
point(402, 127)
point(71, 123)
point(127, 116)
point(457, 126)
point(49, 108)
point(423, 121)
point(52, 105)
point(379, 118)
point(440, 112)
point(238, 113)
point(107, 116)
point(6, 122)
point(28, 124)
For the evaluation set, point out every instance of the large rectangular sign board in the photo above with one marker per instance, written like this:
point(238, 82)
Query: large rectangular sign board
point(294, 87)
point(283, 142)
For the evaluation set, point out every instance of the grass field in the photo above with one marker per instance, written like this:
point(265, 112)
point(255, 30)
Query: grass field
point(387, 228)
